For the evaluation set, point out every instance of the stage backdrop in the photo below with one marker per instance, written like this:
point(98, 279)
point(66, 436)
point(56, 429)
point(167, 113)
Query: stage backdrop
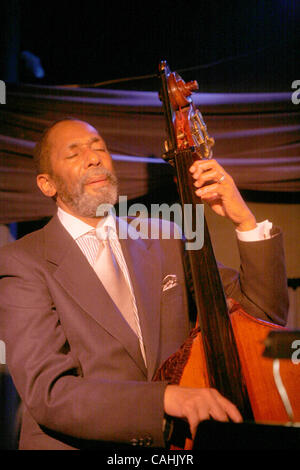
point(257, 140)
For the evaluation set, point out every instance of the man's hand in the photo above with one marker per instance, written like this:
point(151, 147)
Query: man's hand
point(198, 404)
point(217, 188)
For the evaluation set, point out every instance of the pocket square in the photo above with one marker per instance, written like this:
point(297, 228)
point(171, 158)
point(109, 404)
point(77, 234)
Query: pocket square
point(169, 281)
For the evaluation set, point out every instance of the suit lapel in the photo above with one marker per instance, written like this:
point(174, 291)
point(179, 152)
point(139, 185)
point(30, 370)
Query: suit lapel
point(145, 273)
point(76, 276)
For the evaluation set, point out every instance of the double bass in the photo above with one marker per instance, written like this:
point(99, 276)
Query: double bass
point(225, 348)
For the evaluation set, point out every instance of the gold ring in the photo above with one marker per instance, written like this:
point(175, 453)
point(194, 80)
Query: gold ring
point(221, 179)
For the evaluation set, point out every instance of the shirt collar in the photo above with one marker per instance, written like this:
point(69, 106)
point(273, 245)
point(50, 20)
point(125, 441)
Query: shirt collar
point(77, 228)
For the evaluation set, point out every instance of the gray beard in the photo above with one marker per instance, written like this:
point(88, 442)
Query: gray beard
point(82, 203)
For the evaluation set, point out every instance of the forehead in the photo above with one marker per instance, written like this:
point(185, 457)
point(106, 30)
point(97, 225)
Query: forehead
point(66, 134)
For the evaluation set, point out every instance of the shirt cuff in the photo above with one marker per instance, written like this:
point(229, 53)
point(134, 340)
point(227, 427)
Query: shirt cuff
point(262, 231)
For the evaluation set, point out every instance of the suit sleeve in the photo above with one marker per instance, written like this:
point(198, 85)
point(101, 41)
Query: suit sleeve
point(48, 376)
point(260, 286)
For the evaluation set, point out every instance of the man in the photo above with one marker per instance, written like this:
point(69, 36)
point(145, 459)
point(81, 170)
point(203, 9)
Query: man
point(84, 375)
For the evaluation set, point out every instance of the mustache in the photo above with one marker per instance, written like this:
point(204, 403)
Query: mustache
point(99, 172)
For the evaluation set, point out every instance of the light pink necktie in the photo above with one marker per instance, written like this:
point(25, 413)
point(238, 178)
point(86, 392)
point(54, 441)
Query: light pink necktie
point(109, 272)
point(97, 247)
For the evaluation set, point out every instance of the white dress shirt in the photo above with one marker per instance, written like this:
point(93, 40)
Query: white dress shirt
point(84, 235)
point(262, 231)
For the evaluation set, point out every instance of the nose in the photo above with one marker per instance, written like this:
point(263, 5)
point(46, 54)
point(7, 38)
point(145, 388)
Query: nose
point(91, 157)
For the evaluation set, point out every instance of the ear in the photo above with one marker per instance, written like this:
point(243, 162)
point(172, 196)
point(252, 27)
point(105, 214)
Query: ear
point(46, 185)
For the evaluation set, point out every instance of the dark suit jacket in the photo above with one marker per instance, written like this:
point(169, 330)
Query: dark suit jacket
point(76, 364)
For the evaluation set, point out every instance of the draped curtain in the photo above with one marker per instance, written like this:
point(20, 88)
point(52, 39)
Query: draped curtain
point(257, 140)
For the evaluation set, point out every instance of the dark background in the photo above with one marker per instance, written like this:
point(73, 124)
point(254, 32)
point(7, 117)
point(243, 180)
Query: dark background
point(230, 46)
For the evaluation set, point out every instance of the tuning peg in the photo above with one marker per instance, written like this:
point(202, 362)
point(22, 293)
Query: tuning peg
point(191, 86)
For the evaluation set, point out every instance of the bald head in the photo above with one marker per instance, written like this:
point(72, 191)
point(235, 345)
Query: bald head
point(43, 148)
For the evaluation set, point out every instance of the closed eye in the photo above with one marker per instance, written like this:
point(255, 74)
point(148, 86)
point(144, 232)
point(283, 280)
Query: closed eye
point(72, 156)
